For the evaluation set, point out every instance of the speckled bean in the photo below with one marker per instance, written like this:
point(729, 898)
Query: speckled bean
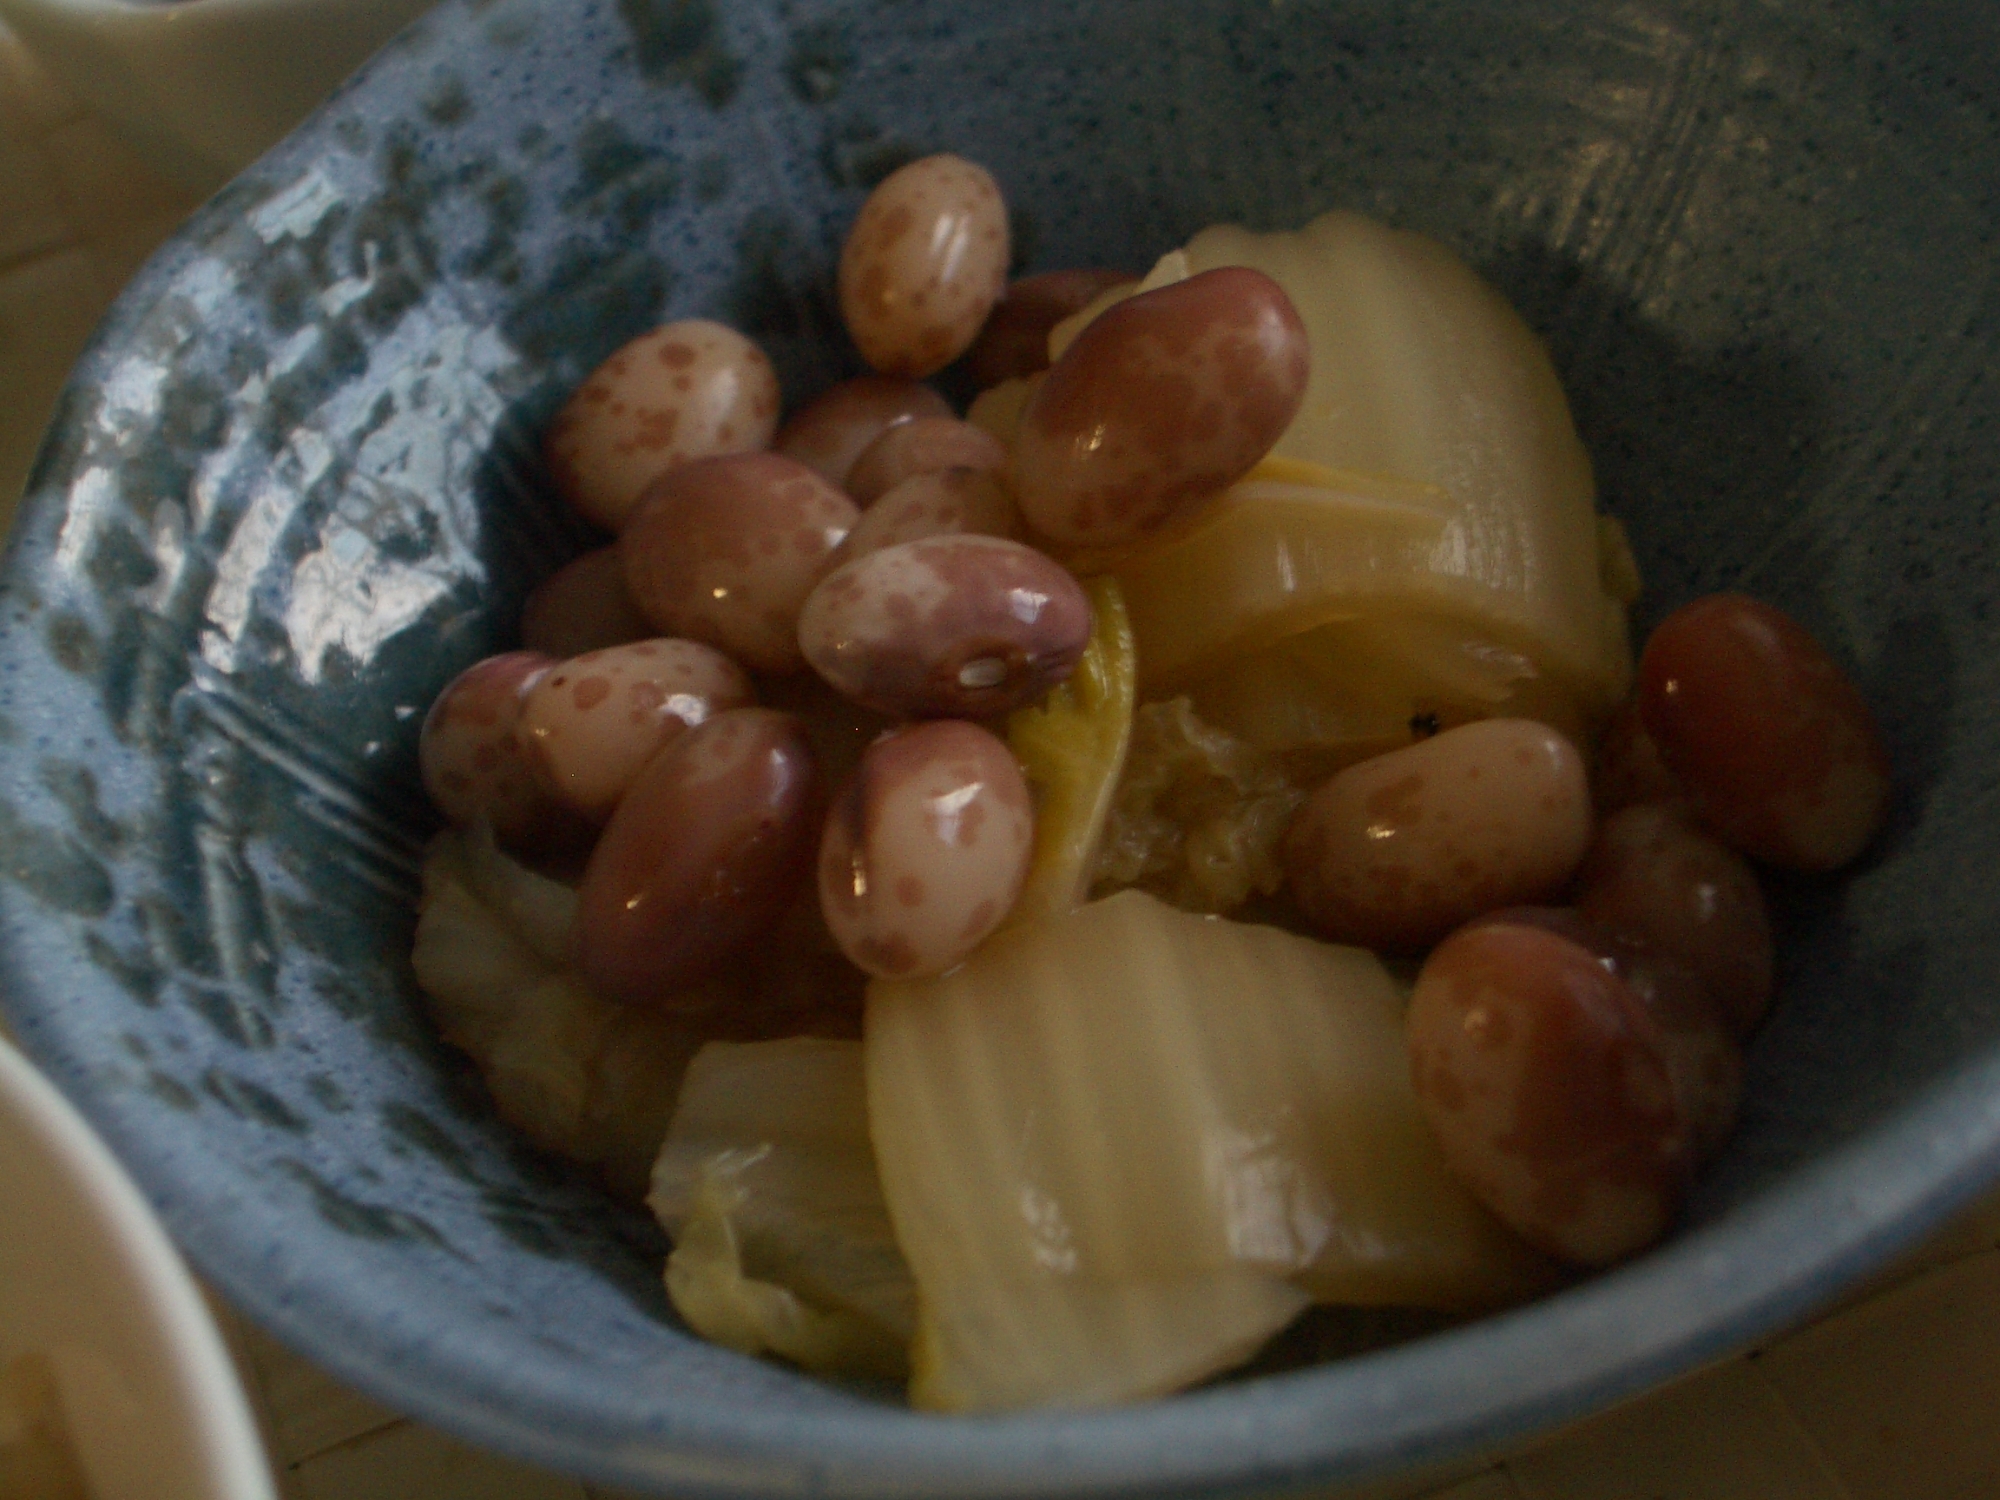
point(1015, 340)
point(472, 764)
point(1653, 877)
point(946, 627)
point(1395, 852)
point(1703, 1057)
point(925, 849)
point(591, 723)
point(834, 428)
point(725, 550)
point(707, 850)
point(1545, 1081)
point(1774, 741)
point(924, 264)
point(684, 391)
point(950, 502)
point(582, 606)
point(922, 445)
point(1161, 402)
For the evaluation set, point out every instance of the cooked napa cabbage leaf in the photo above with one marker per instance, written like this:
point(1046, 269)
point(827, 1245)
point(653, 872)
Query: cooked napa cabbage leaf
point(1198, 815)
point(576, 1074)
point(726, 1305)
point(1437, 490)
point(1071, 747)
point(1062, 1342)
point(1134, 1096)
point(998, 408)
point(767, 1183)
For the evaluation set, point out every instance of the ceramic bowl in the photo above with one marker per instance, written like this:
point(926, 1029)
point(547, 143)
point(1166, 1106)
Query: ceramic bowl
point(100, 1321)
point(294, 487)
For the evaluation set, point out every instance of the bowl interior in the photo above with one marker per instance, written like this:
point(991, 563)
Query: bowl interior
point(295, 486)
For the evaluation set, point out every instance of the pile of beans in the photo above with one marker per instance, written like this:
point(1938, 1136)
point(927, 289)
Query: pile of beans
point(875, 540)
point(1577, 1061)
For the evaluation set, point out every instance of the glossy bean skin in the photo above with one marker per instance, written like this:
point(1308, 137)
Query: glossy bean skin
point(923, 265)
point(1703, 1057)
point(706, 851)
point(947, 503)
point(684, 391)
point(725, 550)
point(1015, 340)
point(832, 430)
point(1160, 403)
point(1629, 770)
point(591, 723)
point(1395, 852)
point(1774, 741)
point(925, 849)
point(582, 606)
point(475, 768)
point(1654, 877)
point(472, 765)
point(922, 445)
point(1545, 1081)
point(946, 627)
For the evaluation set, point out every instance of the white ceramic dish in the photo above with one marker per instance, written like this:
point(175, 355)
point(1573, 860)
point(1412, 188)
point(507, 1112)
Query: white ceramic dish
point(89, 1281)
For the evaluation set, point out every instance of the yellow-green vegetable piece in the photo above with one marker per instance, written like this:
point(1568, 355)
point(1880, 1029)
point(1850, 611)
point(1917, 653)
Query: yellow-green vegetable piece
point(767, 1183)
point(726, 1305)
point(576, 1074)
point(1071, 747)
point(1063, 1342)
point(1134, 1095)
point(1199, 814)
point(1438, 492)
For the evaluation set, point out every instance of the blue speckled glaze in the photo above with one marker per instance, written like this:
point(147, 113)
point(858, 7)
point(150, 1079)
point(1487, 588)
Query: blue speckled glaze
point(294, 486)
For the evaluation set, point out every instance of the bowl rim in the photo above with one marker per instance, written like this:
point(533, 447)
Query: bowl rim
point(1564, 1357)
point(1424, 1407)
point(206, 1395)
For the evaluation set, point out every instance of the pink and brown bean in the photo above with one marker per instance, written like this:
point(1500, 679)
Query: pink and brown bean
point(592, 723)
point(946, 627)
point(925, 849)
point(582, 606)
point(833, 429)
point(473, 766)
point(1397, 851)
point(1015, 340)
point(684, 391)
point(951, 502)
point(922, 445)
point(1653, 877)
point(923, 265)
point(1774, 741)
point(1546, 1083)
point(1159, 404)
point(725, 551)
point(1703, 1058)
point(706, 851)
